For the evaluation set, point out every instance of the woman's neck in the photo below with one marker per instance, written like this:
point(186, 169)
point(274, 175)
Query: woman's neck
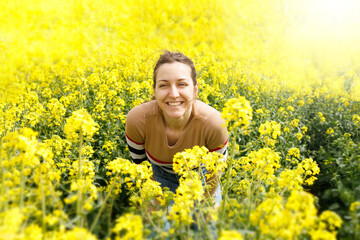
point(178, 124)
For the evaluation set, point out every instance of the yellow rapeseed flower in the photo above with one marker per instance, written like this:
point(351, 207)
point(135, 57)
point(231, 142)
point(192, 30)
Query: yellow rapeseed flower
point(190, 159)
point(354, 206)
point(330, 131)
point(321, 116)
point(80, 121)
point(356, 119)
point(230, 235)
point(237, 112)
point(189, 192)
point(260, 165)
point(128, 227)
point(271, 129)
point(294, 123)
point(76, 234)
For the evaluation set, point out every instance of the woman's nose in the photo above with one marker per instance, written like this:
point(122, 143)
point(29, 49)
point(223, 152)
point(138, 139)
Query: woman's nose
point(174, 92)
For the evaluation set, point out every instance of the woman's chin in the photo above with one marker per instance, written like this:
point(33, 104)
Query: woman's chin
point(175, 115)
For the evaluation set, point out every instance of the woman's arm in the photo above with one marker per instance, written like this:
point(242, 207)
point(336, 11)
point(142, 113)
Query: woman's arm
point(135, 134)
point(213, 183)
point(137, 150)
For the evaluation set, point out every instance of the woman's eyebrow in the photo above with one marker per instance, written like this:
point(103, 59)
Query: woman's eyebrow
point(164, 80)
point(178, 80)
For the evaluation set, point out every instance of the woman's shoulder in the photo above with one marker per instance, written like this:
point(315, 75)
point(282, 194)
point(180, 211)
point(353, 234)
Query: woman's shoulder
point(213, 125)
point(137, 118)
point(206, 112)
point(143, 110)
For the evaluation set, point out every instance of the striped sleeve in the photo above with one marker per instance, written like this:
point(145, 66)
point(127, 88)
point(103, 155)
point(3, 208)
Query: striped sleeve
point(137, 150)
point(222, 150)
point(135, 134)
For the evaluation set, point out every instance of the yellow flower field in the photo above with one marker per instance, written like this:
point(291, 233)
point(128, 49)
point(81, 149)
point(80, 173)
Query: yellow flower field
point(284, 74)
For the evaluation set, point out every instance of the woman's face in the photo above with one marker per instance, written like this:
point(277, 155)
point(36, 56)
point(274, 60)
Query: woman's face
point(175, 91)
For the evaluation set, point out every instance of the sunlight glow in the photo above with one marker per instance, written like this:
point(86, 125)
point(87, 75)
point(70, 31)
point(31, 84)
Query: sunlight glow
point(326, 24)
point(332, 16)
point(324, 32)
point(333, 12)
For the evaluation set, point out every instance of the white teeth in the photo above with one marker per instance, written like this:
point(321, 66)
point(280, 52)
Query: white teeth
point(174, 103)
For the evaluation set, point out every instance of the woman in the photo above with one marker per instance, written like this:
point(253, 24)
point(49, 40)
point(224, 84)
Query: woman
point(174, 121)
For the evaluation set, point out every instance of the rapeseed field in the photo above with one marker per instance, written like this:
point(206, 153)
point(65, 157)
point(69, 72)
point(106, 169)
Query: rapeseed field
point(283, 73)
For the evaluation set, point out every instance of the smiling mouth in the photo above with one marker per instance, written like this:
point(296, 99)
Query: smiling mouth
point(174, 103)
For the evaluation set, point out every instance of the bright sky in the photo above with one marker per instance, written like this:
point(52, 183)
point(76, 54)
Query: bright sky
point(336, 19)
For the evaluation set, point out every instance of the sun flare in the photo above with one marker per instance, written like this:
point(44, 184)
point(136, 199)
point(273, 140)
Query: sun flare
point(336, 18)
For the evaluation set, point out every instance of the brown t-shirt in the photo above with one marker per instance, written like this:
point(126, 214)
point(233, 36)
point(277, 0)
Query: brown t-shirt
point(146, 136)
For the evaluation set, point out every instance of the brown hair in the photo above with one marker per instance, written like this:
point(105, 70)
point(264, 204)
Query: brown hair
point(170, 57)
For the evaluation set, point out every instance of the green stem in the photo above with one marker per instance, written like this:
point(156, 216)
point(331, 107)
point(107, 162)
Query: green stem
point(56, 199)
point(147, 214)
point(199, 216)
point(249, 204)
point(188, 231)
point(2, 186)
point(226, 185)
point(109, 219)
point(79, 202)
point(43, 204)
point(80, 156)
point(22, 186)
point(102, 206)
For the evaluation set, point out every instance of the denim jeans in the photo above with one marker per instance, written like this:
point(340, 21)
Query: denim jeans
point(172, 181)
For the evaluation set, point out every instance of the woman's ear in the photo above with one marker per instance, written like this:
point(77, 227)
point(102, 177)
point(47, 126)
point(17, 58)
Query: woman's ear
point(196, 88)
